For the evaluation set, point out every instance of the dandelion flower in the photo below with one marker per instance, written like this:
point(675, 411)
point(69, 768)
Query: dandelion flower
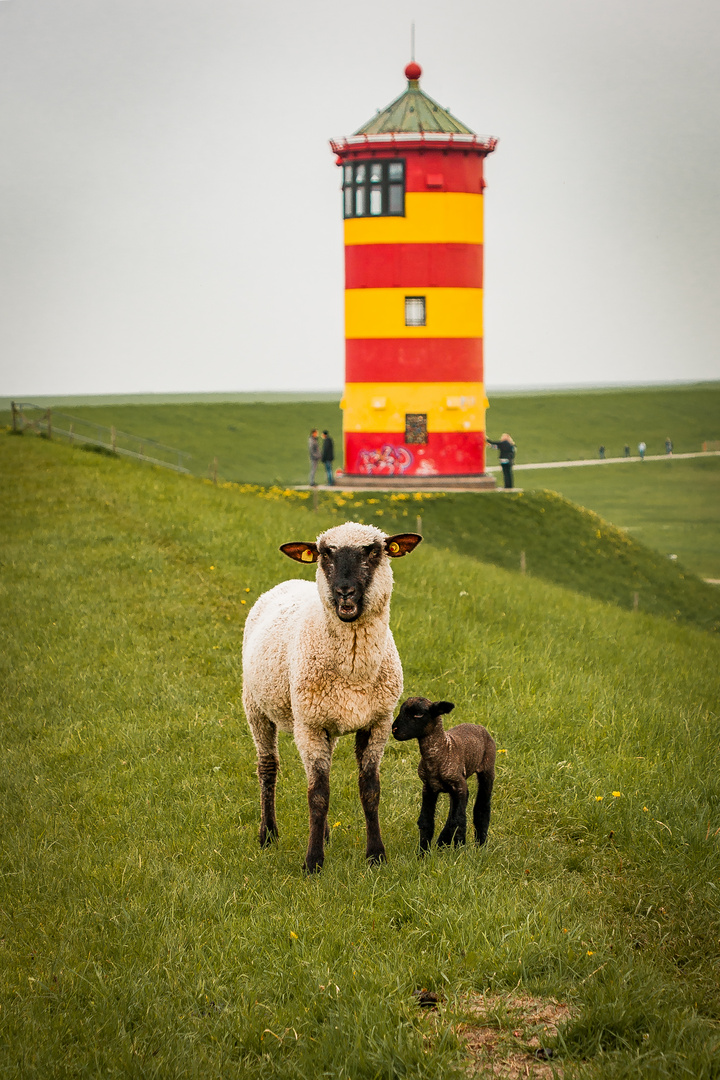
point(293, 934)
point(243, 601)
point(617, 794)
point(599, 798)
point(212, 567)
point(590, 952)
point(502, 751)
point(646, 809)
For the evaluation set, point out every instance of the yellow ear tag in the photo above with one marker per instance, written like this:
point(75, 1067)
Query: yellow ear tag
point(307, 555)
point(394, 547)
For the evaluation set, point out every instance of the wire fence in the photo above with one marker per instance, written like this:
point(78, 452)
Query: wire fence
point(52, 423)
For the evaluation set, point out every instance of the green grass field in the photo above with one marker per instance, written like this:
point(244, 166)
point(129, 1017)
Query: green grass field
point(145, 934)
point(674, 507)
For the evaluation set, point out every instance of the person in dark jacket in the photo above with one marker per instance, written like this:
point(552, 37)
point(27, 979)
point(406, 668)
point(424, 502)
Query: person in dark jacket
point(328, 454)
point(506, 445)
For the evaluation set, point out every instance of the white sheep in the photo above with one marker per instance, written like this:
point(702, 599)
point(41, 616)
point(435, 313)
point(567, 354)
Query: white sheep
point(320, 661)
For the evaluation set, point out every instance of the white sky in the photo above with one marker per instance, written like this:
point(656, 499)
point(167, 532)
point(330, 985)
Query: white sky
point(170, 211)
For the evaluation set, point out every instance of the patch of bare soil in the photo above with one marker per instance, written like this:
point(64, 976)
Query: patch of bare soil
point(509, 1036)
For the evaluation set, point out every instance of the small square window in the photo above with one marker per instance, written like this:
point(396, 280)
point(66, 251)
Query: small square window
point(395, 170)
point(415, 429)
point(360, 174)
point(415, 311)
point(348, 174)
point(376, 172)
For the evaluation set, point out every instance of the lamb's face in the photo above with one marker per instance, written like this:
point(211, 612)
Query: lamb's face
point(416, 715)
point(354, 573)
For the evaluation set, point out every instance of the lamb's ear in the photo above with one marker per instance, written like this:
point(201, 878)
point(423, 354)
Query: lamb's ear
point(401, 544)
point(300, 551)
point(440, 707)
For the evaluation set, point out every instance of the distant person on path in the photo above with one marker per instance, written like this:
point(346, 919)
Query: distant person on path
point(668, 445)
point(314, 452)
point(601, 451)
point(641, 450)
point(328, 455)
point(506, 445)
point(627, 450)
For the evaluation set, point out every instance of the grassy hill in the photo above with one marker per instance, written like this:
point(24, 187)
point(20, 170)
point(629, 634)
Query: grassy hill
point(144, 933)
point(674, 507)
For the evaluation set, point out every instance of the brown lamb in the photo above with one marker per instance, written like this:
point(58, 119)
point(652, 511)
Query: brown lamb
point(447, 759)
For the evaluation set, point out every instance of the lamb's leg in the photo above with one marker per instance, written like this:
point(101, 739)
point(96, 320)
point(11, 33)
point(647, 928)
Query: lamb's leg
point(456, 825)
point(369, 746)
point(316, 753)
point(481, 810)
point(426, 821)
point(265, 736)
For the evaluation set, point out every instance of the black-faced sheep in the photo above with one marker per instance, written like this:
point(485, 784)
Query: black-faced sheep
point(447, 759)
point(319, 660)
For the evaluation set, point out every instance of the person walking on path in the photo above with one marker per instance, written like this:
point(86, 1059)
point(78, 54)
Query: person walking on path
point(506, 445)
point(314, 452)
point(601, 452)
point(328, 455)
point(641, 450)
point(668, 445)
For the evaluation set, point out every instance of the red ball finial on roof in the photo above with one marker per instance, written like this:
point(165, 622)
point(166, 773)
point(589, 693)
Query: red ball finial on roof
point(413, 71)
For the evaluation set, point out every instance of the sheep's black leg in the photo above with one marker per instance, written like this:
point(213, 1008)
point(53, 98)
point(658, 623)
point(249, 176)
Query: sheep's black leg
point(426, 821)
point(318, 803)
point(265, 736)
point(267, 772)
point(368, 758)
point(456, 825)
point(481, 810)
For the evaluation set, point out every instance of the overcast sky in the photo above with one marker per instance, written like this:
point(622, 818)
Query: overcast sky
point(170, 207)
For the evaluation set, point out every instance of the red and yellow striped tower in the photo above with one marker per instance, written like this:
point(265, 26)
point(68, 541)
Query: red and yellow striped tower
point(414, 403)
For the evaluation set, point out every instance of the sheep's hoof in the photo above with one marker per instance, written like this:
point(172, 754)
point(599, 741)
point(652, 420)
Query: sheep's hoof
point(268, 837)
point(375, 858)
point(312, 866)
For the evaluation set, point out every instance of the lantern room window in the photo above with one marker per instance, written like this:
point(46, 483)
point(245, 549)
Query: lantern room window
point(374, 189)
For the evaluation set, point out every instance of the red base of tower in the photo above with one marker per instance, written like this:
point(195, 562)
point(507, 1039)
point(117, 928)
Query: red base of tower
point(386, 454)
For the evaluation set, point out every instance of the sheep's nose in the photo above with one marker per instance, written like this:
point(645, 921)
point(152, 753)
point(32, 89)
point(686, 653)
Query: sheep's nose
point(345, 591)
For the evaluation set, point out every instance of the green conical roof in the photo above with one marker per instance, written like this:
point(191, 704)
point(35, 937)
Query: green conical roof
point(413, 110)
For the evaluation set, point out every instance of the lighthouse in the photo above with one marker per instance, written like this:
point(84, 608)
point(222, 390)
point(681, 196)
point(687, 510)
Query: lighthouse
point(412, 197)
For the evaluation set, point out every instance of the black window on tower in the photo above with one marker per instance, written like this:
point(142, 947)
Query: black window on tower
point(374, 189)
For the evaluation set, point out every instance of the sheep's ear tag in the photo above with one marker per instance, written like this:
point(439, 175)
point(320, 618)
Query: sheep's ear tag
point(401, 544)
point(300, 552)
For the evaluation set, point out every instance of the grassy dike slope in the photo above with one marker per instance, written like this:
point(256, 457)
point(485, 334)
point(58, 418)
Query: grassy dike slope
point(143, 931)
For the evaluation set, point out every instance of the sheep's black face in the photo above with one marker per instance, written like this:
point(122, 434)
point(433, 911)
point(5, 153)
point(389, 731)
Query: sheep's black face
point(415, 716)
point(349, 571)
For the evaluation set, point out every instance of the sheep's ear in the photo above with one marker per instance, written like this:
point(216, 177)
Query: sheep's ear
point(300, 551)
point(401, 544)
point(440, 707)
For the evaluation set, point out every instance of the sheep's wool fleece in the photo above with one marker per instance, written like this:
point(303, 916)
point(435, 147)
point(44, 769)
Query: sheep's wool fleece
point(307, 671)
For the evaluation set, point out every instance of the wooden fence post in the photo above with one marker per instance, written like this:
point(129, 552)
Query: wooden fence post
point(48, 417)
point(113, 440)
point(523, 564)
point(14, 417)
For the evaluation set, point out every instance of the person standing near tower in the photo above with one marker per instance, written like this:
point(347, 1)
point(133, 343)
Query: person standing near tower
point(328, 455)
point(506, 445)
point(314, 454)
